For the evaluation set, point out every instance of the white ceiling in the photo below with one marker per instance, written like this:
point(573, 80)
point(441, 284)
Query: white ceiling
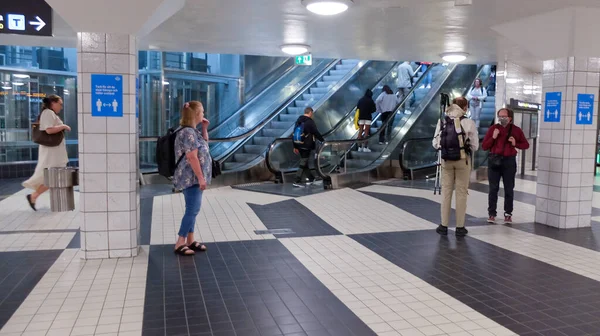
point(371, 29)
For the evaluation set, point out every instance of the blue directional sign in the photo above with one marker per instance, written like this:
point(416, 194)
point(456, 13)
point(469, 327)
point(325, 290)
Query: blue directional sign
point(553, 107)
point(585, 109)
point(107, 95)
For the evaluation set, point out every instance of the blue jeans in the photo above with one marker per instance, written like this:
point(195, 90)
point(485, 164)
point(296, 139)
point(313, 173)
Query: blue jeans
point(193, 201)
point(427, 80)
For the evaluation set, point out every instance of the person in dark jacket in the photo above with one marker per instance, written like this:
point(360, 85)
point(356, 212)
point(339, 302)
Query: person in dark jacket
point(503, 140)
point(306, 145)
point(366, 107)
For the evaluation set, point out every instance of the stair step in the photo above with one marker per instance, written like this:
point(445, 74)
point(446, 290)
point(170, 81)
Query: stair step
point(318, 90)
point(356, 155)
point(244, 157)
point(312, 97)
point(330, 78)
point(271, 132)
point(352, 163)
point(325, 84)
point(293, 110)
point(261, 140)
point(350, 61)
point(337, 72)
point(254, 149)
point(282, 125)
point(286, 117)
point(303, 103)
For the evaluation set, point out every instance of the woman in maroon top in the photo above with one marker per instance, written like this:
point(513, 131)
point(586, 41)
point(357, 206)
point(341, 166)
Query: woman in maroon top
point(503, 140)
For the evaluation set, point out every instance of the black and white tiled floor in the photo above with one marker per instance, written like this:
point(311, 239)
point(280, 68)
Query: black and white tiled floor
point(354, 262)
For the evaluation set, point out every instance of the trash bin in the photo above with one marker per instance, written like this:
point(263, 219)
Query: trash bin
point(61, 182)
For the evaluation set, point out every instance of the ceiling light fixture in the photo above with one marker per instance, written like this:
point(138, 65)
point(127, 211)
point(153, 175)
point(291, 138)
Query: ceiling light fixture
point(512, 80)
point(295, 49)
point(454, 57)
point(18, 84)
point(327, 7)
point(22, 76)
point(7, 87)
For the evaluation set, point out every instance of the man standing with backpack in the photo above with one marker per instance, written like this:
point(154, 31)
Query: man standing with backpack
point(456, 137)
point(305, 132)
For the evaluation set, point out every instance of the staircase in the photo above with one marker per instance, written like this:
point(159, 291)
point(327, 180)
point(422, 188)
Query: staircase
point(286, 119)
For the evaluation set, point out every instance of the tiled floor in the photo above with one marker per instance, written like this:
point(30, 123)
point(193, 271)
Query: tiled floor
point(359, 262)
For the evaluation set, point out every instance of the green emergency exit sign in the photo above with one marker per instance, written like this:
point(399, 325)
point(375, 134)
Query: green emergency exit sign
point(304, 60)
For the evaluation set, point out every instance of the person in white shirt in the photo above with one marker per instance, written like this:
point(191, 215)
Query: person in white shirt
point(476, 96)
point(386, 103)
point(405, 76)
point(457, 138)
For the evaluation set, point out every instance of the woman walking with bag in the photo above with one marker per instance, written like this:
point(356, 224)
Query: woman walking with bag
point(503, 140)
point(193, 173)
point(52, 147)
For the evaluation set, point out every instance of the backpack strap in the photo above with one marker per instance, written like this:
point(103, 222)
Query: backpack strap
point(182, 155)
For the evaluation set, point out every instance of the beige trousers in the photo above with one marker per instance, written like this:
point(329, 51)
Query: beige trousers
point(455, 176)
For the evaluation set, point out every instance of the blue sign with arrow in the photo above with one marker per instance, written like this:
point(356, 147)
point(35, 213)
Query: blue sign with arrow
point(107, 95)
point(585, 109)
point(553, 107)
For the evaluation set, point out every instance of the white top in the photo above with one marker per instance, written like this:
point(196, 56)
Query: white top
point(454, 111)
point(480, 93)
point(48, 157)
point(386, 102)
point(405, 74)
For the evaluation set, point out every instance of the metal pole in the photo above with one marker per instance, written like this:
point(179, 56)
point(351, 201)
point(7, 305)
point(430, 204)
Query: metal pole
point(523, 161)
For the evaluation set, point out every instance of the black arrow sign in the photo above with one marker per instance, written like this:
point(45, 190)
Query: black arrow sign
point(25, 17)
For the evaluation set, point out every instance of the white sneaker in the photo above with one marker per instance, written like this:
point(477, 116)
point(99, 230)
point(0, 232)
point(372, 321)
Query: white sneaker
point(407, 112)
point(429, 86)
point(360, 149)
point(381, 143)
point(367, 150)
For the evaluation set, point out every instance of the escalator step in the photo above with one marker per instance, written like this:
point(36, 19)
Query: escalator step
point(295, 110)
point(325, 84)
point(318, 90)
point(272, 132)
point(282, 125)
point(244, 157)
point(261, 140)
point(340, 73)
point(303, 103)
point(312, 97)
point(332, 78)
point(286, 117)
point(254, 149)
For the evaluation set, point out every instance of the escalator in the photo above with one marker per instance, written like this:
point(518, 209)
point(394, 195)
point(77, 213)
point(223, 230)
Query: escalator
point(339, 161)
point(280, 158)
point(329, 94)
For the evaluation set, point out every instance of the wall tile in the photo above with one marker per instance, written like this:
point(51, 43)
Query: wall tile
point(118, 202)
point(117, 64)
point(95, 221)
point(119, 220)
point(117, 44)
point(118, 143)
point(95, 202)
point(95, 241)
point(119, 239)
point(119, 182)
point(93, 63)
point(93, 43)
point(118, 163)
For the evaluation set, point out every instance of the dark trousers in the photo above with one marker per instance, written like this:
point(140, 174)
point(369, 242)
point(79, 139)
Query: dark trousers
point(507, 172)
point(303, 170)
point(386, 133)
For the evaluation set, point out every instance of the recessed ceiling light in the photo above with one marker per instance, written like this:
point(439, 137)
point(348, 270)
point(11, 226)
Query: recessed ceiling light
point(327, 7)
point(18, 84)
point(454, 57)
point(295, 49)
point(512, 80)
point(7, 87)
point(165, 83)
point(20, 76)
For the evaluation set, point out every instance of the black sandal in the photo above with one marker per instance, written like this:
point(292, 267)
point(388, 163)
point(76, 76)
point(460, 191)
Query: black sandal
point(31, 204)
point(196, 246)
point(181, 250)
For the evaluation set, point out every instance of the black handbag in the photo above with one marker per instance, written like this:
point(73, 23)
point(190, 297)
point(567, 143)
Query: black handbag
point(495, 160)
point(216, 168)
point(44, 138)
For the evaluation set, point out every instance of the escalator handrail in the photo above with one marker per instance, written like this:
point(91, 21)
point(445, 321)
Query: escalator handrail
point(281, 107)
point(384, 124)
point(331, 131)
point(255, 98)
point(404, 144)
point(315, 106)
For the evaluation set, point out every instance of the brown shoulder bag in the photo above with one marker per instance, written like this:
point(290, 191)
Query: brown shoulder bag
point(43, 138)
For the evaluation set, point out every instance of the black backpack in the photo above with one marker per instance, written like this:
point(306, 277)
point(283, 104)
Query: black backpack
point(449, 142)
point(165, 153)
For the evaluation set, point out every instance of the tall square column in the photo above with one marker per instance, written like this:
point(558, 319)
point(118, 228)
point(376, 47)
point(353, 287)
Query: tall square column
point(108, 150)
point(567, 149)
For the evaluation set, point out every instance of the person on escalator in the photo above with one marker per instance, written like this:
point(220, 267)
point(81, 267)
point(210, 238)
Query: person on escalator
point(476, 97)
point(426, 84)
point(366, 107)
point(457, 139)
point(405, 76)
point(386, 103)
point(305, 135)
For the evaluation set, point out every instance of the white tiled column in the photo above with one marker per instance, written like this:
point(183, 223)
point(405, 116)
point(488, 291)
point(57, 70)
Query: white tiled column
point(108, 151)
point(567, 150)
